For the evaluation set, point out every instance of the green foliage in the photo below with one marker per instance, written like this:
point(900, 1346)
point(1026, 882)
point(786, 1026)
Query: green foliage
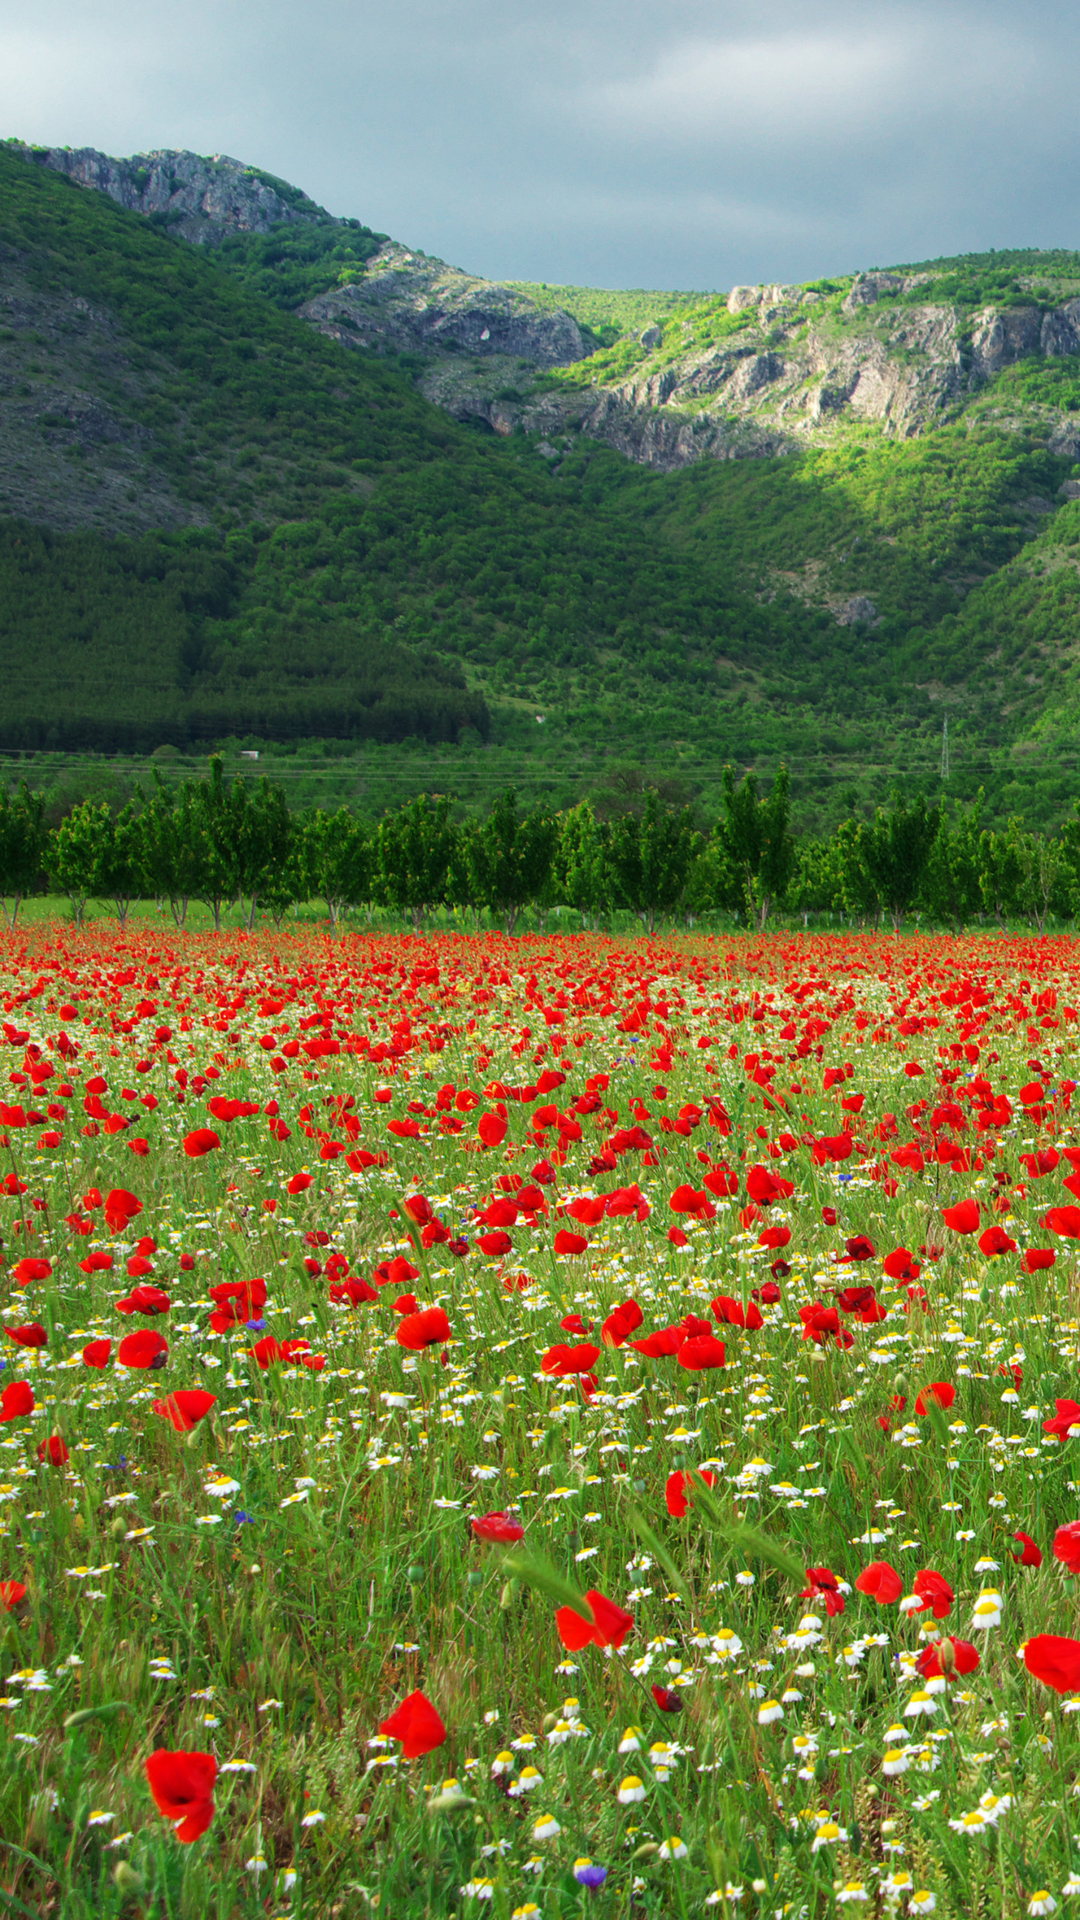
point(22, 846)
point(509, 858)
point(292, 264)
point(895, 848)
point(757, 837)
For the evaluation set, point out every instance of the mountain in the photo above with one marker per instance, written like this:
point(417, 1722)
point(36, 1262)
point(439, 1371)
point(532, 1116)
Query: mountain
point(354, 492)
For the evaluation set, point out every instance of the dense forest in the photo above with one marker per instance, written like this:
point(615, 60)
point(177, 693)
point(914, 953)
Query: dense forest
point(345, 564)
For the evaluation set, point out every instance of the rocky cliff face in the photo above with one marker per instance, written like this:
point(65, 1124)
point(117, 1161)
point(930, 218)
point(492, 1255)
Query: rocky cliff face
point(412, 304)
point(201, 198)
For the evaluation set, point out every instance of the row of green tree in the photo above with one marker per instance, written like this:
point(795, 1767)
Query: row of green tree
point(239, 846)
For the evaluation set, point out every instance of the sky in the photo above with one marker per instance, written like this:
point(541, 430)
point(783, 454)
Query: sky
point(617, 143)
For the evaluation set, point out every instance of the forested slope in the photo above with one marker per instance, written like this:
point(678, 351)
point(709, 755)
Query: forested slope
point(222, 521)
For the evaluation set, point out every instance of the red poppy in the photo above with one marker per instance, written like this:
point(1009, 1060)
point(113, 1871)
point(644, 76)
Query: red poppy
point(621, 1322)
point(492, 1129)
point(426, 1329)
point(53, 1450)
point(679, 1488)
point(237, 1302)
point(688, 1200)
point(1064, 1220)
point(26, 1271)
point(495, 1243)
point(965, 1659)
point(661, 1343)
point(499, 1528)
point(995, 1241)
point(901, 1265)
point(858, 1247)
point(940, 1394)
point(1066, 1546)
point(97, 1263)
point(96, 1354)
point(880, 1582)
point(143, 1349)
point(417, 1725)
point(32, 1335)
point(587, 1213)
point(405, 1303)
point(203, 1140)
point(567, 1242)
point(121, 1208)
point(608, 1627)
point(562, 1361)
point(11, 1592)
point(763, 1187)
point(822, 1323)
point(1035, 1259)
point(353, 1291)
point(963, 1218)
point(667, 1699)
point(1065, 1418)
point(828, 1215)
point(701, 1352)
point(145, 1299)
point(182, 1786)
point(822, 1584)
point(773, 1238)
point(16, 1400)
point(299, 1183)
point(1031, 1556)
point(1054, 1660)
point(186, 1407)
point(731, 1313)
point(934, 1591)
point(270, 1351)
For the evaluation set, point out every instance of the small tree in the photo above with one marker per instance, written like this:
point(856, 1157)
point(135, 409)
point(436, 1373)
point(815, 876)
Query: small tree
point(895, 848)
point(338, 861)
point(759, 842)
point(22, 846)
point(1001, 871)
point(171, 848)
point(509, 857)
point(121, 870)
point(951, 880)
point(78, 851)
point(582, 865)
point(414, 851)
point(650, 860)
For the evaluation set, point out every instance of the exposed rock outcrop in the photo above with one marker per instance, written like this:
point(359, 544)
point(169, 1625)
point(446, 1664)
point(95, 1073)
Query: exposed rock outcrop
point(1000, 338)
point(202, 197)
point(412, 304)
point(1061, 330)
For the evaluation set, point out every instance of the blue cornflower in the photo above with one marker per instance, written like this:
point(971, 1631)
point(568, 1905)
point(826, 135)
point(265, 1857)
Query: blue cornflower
point(588, 1875)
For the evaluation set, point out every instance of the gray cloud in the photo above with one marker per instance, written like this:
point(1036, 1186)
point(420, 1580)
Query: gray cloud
point(686, 145)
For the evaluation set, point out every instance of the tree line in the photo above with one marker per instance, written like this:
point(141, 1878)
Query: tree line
point(237, 846)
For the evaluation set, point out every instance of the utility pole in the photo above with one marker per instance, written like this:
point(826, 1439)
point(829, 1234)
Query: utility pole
point(944, 750)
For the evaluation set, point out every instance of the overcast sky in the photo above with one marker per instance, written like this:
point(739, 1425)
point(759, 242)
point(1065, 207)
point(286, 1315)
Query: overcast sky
point(669, 144)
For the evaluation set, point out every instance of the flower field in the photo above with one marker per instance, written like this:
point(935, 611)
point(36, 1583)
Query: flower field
point(540, 1427)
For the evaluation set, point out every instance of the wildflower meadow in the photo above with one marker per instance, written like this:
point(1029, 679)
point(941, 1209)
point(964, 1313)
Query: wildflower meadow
point(540, 1427)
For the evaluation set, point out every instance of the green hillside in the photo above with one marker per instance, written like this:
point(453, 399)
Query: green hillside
point(278, 539)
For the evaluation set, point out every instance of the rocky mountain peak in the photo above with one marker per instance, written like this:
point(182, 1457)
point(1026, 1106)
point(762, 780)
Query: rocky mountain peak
point(201, 197)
